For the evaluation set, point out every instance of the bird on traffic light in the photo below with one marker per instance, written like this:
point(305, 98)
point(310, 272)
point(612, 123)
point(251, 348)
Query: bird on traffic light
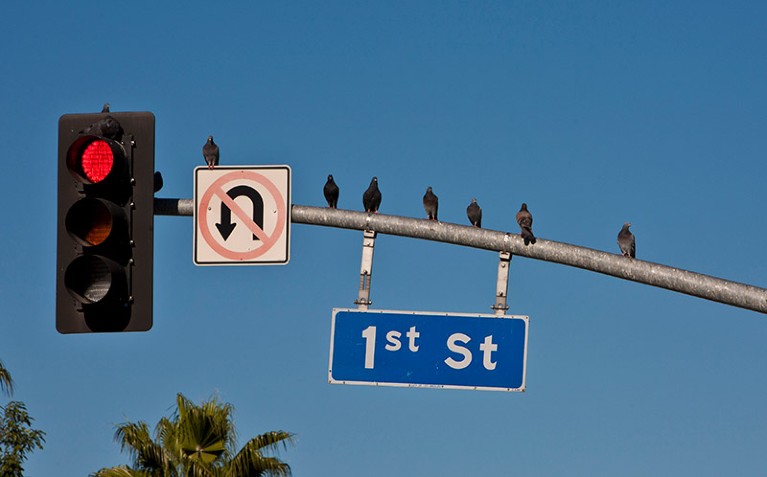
point(525, 221)
point(331, 192)
point(105, 109)
point(474, 213)
point(430, 204)
point(371, 199)
point(107, 127)
point(627, 242)
point(210, 153)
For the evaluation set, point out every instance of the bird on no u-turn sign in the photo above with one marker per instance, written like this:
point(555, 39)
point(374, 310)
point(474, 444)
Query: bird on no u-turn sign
point(210, 153)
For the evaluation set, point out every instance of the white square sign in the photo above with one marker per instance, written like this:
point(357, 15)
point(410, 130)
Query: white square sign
point(242, 215)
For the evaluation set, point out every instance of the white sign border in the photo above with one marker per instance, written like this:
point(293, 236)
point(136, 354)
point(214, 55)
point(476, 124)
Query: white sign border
point(288, 219)
point(520, 389)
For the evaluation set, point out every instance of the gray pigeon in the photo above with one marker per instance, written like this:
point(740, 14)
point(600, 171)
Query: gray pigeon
point(107, 127)
point(210, 153)
point(371, 199)
point(105, 109)
point(157, 181)
point(474, 213)
point(430, 204)
point(525, 221)
point(627, 242)
point(331, 192)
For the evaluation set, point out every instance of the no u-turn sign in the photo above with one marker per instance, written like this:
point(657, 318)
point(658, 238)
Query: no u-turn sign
point(242, 215)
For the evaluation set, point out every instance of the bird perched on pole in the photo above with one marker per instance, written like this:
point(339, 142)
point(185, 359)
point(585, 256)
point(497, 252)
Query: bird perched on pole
point(525, 221)
point(331, 192)
point(430, 204)
point(627, 242)
point(210, 153)
point(371, 199)
point(474, 213)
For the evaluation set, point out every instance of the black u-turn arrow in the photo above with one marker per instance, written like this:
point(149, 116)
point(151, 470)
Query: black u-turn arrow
point(226, 227)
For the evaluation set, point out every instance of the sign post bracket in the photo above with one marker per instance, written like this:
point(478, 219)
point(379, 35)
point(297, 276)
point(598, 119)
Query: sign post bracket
point(366, 270)
point(502, 283)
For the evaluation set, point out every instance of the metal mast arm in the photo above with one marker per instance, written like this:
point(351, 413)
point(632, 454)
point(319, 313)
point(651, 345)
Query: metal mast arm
point(675, 279)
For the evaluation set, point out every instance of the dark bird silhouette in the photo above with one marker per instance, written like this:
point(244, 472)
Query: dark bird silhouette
point(430, 204)
point(107, 127)
point(210, 153)
point(157, 181)
point(331, 192)
point(371, 199)
point(627, 242)
point(525, 221)
point(474, 213)
point(105, 109)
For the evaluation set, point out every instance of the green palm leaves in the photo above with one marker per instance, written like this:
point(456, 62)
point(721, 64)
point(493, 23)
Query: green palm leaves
point(6, 383)
point(198, 441)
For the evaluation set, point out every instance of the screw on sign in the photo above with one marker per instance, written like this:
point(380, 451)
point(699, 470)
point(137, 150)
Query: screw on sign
point(242, 215)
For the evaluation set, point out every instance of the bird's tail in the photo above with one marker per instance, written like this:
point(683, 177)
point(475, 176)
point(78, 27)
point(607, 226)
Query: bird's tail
point(527, 235)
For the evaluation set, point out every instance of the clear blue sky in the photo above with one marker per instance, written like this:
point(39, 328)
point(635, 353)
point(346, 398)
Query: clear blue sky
point(594, 113)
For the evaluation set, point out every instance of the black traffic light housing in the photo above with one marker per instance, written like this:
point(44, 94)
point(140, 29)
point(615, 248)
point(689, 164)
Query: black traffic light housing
point(104, 260)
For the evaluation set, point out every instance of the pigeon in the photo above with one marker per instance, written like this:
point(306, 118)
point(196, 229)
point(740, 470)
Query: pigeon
point(210, 153)
point(627, 242)
point(371, 199)
point(474, 213)
point(525, 221)
point(430, 204)
point(331, 192)
point(105, 109)
point(107, 127)
point(157, 181)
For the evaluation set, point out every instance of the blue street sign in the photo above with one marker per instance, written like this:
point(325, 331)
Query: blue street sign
point(418, 349)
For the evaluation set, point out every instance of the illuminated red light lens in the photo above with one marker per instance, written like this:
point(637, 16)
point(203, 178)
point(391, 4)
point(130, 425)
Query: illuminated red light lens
point(97, 161)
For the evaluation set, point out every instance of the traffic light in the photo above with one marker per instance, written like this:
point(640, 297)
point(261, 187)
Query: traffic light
point(105, 222)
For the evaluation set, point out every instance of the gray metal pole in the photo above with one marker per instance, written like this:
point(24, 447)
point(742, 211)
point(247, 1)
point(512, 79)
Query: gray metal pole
point(675, 279)
point(173, 206)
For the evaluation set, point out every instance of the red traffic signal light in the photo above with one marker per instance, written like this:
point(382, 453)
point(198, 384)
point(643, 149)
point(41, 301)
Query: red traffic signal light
point(91, 159)
point(105, 222)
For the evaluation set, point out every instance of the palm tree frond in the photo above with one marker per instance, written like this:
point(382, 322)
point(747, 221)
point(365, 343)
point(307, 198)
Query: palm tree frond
point(121, 471)
point(146, 454)
point(197, 441)
point(272, 441)
point(6, 383)
point(248, 465)
point(250, 461)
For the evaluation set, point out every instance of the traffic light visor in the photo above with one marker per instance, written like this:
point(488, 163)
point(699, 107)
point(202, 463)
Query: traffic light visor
point(92, 221)
point(94, 279)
